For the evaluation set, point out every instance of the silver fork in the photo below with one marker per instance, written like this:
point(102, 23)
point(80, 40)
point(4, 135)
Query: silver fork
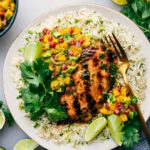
point(123, 69)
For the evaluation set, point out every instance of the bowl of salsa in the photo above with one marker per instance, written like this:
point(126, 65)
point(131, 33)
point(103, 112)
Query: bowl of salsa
point(8, 12)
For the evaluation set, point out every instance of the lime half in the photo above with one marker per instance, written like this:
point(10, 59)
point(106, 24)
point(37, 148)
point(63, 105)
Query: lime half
point(2, 119)
point(33, 51)
point(26, 144)
point(120, 2)
point(115, 125)
point(2, 148)
point(95, 128)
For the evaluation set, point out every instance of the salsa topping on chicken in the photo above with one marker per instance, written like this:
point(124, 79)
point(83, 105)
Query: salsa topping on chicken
point(82, 70)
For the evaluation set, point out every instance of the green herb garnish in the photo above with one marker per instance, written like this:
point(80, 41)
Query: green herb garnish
point(102, 56)
point(113, 69)
point(139, 12)
point(88, 21)
point(39, 99)
point(131, 134)
point(104, 67)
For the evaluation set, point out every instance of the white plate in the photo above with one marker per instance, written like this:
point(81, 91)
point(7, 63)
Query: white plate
point(10, 92)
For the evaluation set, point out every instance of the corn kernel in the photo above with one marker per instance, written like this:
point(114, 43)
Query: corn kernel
point(124, 117)
point(112, 106)
point(79, 37)
point(116, 92)
point(86, 44)
point(55, 40)
point(46, 54)
point(1, 24)
point(61, 58)
point(45, 46)
point(120, 98)
point(76, 30)
point(57, 68)
point(127, 99)
point(60, 79)
point(74, 50)
point(9, 14)
point(51, 68)
point(12, 6)
point(68, 74)
point(55, 85)
point(105, 111)
point(123, 91)
point(57, 46)
point(64, 31)
point(64, 45)
point(5, 4)
point(46, 38)
point(67, 80)
point(87, 39)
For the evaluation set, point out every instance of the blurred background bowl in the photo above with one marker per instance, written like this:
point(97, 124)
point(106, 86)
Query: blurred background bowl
point(8, 26)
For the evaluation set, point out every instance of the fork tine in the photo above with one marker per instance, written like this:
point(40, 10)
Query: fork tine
point(107, 41)
point(115, 48)
point(119, 46)
point(102, 41)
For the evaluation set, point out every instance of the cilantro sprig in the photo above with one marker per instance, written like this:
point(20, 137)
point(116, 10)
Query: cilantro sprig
point(131, 134)
point(139, 12)
point(39, 99)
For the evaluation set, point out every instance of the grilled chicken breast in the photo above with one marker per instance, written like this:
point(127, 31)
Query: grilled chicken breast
point(91, 79)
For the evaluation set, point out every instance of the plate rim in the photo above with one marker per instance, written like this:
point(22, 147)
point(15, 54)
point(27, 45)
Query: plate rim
point(79, 4)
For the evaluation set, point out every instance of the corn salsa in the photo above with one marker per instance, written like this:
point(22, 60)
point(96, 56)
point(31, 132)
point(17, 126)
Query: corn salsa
point(7, 8)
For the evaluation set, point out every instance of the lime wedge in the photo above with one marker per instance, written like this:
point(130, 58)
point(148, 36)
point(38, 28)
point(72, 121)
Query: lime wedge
point(26, 144)
point(2, 148)
point(32, 51)
point(115, 125)
point(120, 2)
point(2, 119)
point(95, 128)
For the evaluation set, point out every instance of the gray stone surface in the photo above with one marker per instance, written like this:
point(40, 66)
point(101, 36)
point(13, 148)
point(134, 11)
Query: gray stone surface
point(28, 10)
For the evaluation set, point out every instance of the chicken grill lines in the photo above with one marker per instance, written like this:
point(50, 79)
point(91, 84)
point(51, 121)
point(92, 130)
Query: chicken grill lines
point(91, 79)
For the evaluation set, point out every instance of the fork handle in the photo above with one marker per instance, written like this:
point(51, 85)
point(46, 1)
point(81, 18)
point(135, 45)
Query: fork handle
point(140, 115)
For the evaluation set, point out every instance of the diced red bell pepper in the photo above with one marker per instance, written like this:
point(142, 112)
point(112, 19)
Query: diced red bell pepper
point(2, 14)
point(52, 44)
point(64, 67)
point(46, 31)
point(61, 40)
point(71, 30)
point(117, 111)
point(50, 38)
point(72, 42)
point(41, 39)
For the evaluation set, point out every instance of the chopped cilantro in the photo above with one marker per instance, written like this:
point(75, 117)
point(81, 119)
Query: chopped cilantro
point(76, 20)
point(86, 75)
point(113, 69)
point(71, 82)
point(104, 67)
point(59, 20)
point(102, 56)
point(88, 21)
